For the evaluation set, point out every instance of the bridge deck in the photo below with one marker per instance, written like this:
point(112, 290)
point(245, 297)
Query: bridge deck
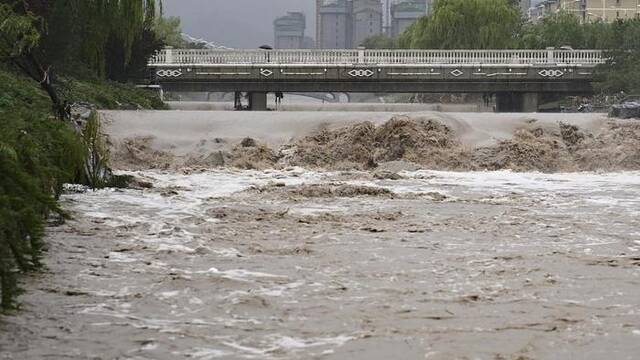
point(486, 71)
point(180, 57)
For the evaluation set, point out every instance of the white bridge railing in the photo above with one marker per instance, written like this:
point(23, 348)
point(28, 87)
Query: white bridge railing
point(206, 57)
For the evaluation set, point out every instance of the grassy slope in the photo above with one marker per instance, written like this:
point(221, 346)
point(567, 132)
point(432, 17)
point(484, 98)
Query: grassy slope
point(112, 95)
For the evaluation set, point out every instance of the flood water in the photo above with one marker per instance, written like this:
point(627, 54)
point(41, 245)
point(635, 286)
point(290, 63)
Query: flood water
point(297, 264)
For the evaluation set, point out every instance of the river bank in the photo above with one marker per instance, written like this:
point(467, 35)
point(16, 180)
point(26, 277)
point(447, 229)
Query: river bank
point(39, 152)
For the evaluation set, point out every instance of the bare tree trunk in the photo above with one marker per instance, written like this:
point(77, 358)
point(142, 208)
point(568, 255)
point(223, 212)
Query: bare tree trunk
point(30, 65)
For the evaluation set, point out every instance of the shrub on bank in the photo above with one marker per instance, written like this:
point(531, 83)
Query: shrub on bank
point(112, 95)
point(38, 154)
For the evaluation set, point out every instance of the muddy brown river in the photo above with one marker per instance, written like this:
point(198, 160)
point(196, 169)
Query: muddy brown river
point(296, 264)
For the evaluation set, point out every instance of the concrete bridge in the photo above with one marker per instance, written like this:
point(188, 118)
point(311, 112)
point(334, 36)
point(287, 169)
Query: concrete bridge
point(516, 77)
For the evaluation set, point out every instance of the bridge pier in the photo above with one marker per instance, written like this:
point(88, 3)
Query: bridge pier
point(258, 101)
point(530, 102)
point(517, 102)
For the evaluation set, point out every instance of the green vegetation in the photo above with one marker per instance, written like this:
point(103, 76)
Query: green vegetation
point(37, 155)
point(52, 54)
point(379, 42)
point(110, 94)
point(497, 24)
point(107, 37)
point(468, 24)
point(621, 39)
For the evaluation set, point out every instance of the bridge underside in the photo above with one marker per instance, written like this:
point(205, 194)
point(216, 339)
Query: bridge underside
point(575, 87)
point(517, 87)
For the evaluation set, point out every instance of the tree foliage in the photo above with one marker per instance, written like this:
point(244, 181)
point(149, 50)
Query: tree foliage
point(379, 42)
point(18, 33)
point(622, 72)
point(37, 156)
point(496, 24)
point(97, 39)
point(566, 29)
point(621, 40)
point(169, 30)
point(101, 35)
point(468, 24)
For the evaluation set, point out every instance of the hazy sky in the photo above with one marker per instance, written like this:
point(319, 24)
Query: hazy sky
point(236, 23)
point(240, 24)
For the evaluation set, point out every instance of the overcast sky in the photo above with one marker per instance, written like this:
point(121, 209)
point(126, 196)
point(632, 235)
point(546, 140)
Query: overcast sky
point(240, 24)
point(236, 23)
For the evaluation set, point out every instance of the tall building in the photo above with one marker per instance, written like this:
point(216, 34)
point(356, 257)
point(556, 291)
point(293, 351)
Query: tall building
point(367, 20)
point(335, 24)
point(405, 13)
point(289, 31)
point(593, 10)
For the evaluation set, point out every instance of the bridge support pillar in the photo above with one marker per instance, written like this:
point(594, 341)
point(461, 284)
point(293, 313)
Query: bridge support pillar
point(517, 102)
point(530, 102)
point(258, 101)
point(507, 102)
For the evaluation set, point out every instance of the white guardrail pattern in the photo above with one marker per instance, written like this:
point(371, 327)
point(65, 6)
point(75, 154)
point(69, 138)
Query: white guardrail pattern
point(207, 57)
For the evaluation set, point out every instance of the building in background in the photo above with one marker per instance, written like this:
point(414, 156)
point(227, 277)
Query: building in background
point(367, 20)
point(308, 43)
point(289, 31)
point(346, 24)
point(591, 10)
point(335, 24)
point(403, 14)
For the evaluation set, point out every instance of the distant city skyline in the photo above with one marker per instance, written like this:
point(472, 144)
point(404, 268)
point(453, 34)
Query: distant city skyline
point(241, 24)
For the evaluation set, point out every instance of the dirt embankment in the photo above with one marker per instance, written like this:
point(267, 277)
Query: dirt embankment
point(426, 143)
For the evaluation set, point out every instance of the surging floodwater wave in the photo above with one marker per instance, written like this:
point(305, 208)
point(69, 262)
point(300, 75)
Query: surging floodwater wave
point(426, 142)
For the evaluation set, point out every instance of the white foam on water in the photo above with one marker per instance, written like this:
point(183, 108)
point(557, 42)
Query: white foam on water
point(121, 257)
point(166, 226)
point(240, 274)
point(195, 301)
point(230, 252)
point(232, 274)
point(279, 343)
point(509, 180)
point(169, 294)
point(175, 248)
point(291, 343)
point(203, 353)
point(279, 290)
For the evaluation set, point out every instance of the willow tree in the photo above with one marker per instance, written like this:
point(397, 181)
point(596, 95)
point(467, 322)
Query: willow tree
point(96, 35)
point(622, 72)
point(561, 29)
point(103, 33)
point(468, 24)
point(20, 36)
